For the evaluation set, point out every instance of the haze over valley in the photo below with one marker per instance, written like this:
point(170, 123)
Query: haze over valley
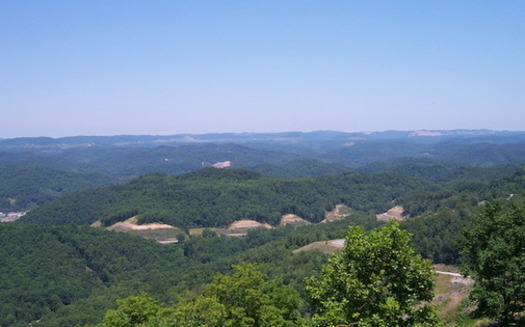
point(262, 164)
point(113, 217)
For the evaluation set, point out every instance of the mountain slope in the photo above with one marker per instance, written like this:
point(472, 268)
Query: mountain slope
point(43, 269)
point(29, 185)
point(215, 198)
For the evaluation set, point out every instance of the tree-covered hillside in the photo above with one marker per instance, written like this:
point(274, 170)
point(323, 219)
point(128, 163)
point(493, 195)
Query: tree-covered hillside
point(127, 156)
point(440, 171)
point(88, 268)
point(304, 167)
point(440, 213)
point(26, 186)
point(69, 275)
point(129, 162)
point(43, 269)
point(215, 198)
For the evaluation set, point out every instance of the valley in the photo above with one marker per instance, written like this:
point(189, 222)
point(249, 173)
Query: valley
point(101, 226)
point(262, 163)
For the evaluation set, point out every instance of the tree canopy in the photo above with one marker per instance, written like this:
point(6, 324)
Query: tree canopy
point(376, 280)
point(494, 255)
point(246, 298)
point(216, 198)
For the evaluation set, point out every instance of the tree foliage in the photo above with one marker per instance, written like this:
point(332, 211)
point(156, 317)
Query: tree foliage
point(246, 298)
point(139, 310)
point(25, 186)
point(494, 255)
point(377, 280)
point(215, 198)
point(71, 275)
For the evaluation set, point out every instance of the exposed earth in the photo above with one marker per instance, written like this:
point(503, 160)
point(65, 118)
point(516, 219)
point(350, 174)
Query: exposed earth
point(340, 212)
point(294, 220)
point(397, 213)
point(162, 233)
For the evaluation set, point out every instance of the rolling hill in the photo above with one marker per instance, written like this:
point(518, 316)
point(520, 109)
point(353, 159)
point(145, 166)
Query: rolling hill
point(215, 198)
point(26, 186)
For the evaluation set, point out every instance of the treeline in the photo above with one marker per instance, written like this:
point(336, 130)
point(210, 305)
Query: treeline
point(215, 198)
point(303, 167)
point(463, 193)
point(126, 162)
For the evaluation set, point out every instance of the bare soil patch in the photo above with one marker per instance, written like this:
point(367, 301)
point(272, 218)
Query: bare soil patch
point(97, 224)
point(327, 247)
point(294, 220)
point(222, 164)
point(162, 233)
point(397, 213)
point(340, 212)
point(243, 226)
point(124, 226)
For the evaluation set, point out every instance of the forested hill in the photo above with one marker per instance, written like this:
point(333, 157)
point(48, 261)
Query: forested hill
point(440, 171)
point(26, 186)
point(215, 198)
point(43, 269)
point(70, 275)
point(130, 156)
point(302, 167)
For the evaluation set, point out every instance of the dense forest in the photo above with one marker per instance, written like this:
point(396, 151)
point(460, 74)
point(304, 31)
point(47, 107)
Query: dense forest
point(215, 198)
point(65, 275)
point(58, 271)
point(128, 156)
point(24, 187)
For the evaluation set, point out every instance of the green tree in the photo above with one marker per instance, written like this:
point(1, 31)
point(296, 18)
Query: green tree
point(376, 280)
point(134, 311)
point(245, 298)
point(494, 255)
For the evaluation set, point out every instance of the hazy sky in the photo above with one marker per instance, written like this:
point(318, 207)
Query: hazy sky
point(168, 67)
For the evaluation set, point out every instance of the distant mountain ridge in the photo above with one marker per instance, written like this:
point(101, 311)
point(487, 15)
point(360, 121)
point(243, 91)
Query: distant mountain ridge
point(61, 143)
point(132, 155)
point(285, 155)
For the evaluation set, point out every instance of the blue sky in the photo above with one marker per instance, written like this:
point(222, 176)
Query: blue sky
point(168, 67)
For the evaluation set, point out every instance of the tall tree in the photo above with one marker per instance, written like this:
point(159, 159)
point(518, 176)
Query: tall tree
point(246, 298)
point(494, 255)
point(376, 280)
point(139, 310)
